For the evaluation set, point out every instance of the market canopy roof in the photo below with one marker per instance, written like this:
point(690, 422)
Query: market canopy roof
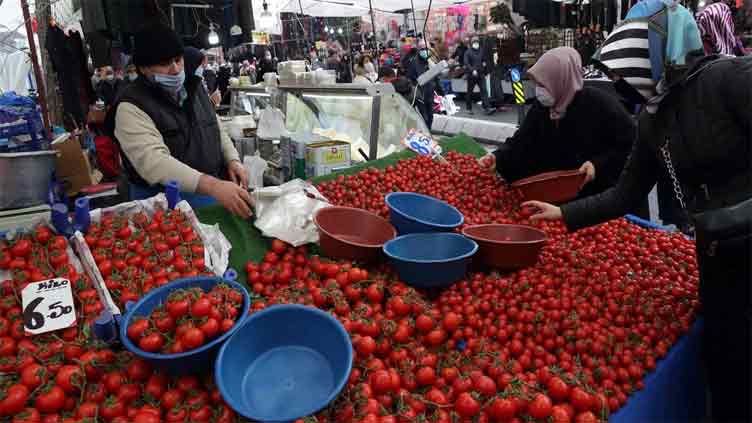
point(343, 8)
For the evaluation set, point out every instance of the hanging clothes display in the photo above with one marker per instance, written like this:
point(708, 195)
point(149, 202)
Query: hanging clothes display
point(68, 78)
point(81, 73)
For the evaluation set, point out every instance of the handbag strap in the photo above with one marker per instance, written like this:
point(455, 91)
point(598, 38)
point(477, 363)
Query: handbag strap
point(678, 192)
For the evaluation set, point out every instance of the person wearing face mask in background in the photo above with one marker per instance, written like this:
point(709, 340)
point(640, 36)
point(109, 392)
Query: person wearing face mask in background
point(475, 72)
point(167, 130)
point(266, 66)
point(315, 63)
point(131, 73)
point(196, 63)
point(568, 127)
point(109, 86)
point(417, 66)
point(365, 71)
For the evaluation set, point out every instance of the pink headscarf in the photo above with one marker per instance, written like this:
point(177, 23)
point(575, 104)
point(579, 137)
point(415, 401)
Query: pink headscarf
point(560, 72)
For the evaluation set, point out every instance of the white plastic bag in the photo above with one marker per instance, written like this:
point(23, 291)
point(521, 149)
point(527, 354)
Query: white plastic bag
point(447, 103)
point(255, 166)
point(286, 211)
point(271, 125)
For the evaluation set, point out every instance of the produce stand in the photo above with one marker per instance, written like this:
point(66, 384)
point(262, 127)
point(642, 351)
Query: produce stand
point(674, 391)
point(247, 242)
point(539, 339)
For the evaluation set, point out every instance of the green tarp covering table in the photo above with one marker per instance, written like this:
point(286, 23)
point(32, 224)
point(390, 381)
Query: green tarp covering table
point(247, 242)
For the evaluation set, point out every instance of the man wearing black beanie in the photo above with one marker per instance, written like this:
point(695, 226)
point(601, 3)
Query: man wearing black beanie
point(167, 130)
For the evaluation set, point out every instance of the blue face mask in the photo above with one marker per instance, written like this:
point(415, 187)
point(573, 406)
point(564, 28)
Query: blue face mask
point(200, 71)
point(423, 54)
point(171, 83)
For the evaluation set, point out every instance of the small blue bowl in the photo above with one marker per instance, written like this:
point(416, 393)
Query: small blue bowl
point(413, 213)
point(284, 363)
point(198, 360)
point(431, 260)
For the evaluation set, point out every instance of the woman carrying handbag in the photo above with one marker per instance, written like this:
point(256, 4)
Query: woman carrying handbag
point(695, 128)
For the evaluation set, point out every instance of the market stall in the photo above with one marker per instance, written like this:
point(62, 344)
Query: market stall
point(582, 334)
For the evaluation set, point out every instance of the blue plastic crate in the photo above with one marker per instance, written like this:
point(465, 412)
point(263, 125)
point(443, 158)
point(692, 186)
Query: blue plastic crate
point(30, 123)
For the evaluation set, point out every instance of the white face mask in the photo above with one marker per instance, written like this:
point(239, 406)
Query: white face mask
point(476, 46)
point(369, 68)
point(544, 97)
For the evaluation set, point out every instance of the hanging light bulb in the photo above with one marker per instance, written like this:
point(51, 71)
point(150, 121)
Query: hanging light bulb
point(213, 37)
point(339, 31)
point(326, 28)
point(331, 30)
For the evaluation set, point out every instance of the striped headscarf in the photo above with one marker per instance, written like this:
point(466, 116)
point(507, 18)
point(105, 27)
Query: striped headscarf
point(651, 45)
point(626, 52)
point(717, 27)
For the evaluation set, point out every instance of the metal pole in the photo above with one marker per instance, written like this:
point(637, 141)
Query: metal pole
point(415, 22)
point(373, 21)
point(35, 65)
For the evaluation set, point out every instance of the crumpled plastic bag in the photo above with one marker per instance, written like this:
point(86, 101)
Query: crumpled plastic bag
point(255, 166)
point(286, 211)
point(271, 125)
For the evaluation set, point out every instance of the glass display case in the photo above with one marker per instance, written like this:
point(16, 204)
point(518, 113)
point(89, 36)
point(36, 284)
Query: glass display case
point(372, 118)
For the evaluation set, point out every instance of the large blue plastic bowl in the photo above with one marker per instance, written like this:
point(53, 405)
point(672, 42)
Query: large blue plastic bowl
point(413, 213)
point(284, 363)
point(198, 360)
point(431, 260)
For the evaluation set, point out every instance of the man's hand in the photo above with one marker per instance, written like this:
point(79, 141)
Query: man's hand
point(238, 174)
point(475, 73)
point(545, 211)
point(589, 169)
point(488, 162)
point(231, 196)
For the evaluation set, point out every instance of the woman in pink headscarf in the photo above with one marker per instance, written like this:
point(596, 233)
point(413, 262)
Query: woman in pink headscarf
point(569, 126)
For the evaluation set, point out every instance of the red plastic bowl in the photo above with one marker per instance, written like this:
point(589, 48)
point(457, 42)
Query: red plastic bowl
point(507, 247)
point(551, 187)
point(352, 234)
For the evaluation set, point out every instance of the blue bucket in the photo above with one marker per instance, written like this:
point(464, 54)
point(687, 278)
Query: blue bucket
point(417, 213)
point(431, 260)
point(284, 363)
point(198, 360)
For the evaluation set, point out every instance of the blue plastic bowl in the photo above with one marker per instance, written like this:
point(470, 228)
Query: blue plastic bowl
point(431, 260)
point(413, 213)
point(284, 363)
point(195, 361)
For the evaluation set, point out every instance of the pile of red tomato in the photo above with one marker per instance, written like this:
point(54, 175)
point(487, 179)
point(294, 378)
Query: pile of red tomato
point(137, 254)
point(67, 376)
point(567, 340)
point(189, 319)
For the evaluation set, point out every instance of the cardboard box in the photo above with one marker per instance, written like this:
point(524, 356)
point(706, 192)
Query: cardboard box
point(322, 158)
point(72, 167)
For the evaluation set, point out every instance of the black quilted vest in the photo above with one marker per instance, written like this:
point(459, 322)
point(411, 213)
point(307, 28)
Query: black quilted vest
point(191, 132)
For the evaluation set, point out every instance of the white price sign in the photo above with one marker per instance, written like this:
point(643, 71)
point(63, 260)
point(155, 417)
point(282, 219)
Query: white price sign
point(48, 306)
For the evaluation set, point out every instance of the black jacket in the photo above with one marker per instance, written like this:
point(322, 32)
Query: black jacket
point(473, 62)
point(459, 54)
point(596, 128)
point(109, 90)
point(707, 119)
point(416, 67)
point(190, 131)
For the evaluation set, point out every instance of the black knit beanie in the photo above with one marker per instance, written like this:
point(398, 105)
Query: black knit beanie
point(155, 44)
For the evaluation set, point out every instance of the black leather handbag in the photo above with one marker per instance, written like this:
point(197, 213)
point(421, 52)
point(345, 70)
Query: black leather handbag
point(730, 225)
